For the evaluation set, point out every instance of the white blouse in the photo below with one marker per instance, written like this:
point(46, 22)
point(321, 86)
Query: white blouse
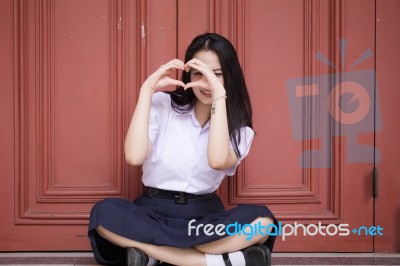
point(178, 159)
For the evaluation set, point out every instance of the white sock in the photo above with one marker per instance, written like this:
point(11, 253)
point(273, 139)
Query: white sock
point(237, 258)
point(152, 261)
point(214, 260)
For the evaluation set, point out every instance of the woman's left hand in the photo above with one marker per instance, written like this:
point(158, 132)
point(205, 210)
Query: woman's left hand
point(208, 79)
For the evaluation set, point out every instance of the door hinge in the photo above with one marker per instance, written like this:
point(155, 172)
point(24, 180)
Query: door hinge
point(375, 180)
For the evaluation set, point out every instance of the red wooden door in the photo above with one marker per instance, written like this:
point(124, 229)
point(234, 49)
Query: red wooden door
point(299, 163)
point(78, 65)
point(71, 99)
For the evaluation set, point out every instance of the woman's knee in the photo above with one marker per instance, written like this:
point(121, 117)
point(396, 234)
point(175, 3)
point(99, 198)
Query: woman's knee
point(264, 221)
point(263, 227)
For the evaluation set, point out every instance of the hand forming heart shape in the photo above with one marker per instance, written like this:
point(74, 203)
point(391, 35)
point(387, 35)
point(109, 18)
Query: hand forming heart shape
point(161, 77)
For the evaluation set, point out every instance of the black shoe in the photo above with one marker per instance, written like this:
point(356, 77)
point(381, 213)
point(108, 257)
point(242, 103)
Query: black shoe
point(257, 255)
point(136, 257)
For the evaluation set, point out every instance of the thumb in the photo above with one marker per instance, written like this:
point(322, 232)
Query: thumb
point(189, 85)
point(176, 83)
point(168, 82)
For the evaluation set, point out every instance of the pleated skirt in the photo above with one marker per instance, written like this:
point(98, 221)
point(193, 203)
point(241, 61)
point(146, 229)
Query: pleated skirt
point(162, 222)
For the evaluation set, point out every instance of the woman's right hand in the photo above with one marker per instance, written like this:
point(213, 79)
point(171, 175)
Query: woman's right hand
point(161, 77)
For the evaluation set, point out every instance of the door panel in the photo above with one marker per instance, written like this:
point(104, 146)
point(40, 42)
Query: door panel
point(65, 128)
point(70, 91)
point(68, 110)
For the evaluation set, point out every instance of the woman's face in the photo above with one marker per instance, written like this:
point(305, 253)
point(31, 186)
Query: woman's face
point(210, 58)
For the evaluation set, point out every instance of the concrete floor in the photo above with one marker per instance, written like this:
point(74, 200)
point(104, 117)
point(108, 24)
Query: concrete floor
point(86, 258)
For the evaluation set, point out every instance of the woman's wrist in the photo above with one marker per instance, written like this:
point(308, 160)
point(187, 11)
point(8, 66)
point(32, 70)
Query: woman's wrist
point(218, 93)
point(214, 102)
point(147, 89)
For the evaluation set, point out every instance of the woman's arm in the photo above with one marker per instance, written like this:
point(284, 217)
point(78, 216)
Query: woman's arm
point(137, 143)
point(219, 152)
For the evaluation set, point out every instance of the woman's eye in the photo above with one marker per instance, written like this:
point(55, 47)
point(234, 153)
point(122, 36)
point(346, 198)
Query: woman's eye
point(218, 74)
point(197, 73)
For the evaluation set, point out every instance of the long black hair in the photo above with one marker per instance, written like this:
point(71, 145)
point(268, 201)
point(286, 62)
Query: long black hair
point(239, 110)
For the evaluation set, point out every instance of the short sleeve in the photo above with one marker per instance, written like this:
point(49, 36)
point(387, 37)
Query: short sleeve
point(160, 104)
point(246, 138)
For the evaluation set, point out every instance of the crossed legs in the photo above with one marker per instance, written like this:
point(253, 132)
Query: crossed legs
point(189, 256)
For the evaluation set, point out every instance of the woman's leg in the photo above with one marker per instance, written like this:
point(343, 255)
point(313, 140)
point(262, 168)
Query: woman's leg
point(172, 255)
point(190, 256)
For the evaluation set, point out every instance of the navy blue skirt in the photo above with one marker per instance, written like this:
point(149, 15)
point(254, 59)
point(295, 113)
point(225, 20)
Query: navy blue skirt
point(163, 222)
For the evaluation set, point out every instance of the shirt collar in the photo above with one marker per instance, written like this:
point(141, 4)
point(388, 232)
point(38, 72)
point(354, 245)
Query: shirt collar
point(194, 119)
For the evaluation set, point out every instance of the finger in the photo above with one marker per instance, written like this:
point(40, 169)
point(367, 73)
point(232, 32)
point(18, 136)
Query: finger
point(167, 83)
point(177, 61)
point(191, 62)
point(173, 64)
point(198, 62)
point(176, 82)
point(189, 85)
point(199, 67)
point(193, 84)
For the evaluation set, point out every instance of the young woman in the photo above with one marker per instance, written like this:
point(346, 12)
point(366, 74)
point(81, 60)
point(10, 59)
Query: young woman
point(188, 140)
